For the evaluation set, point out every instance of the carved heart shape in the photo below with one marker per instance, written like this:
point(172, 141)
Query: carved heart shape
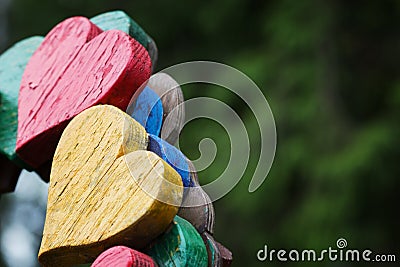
point(173, 156)
point(218, 255)
point(121, 256)
point(119, 20)
point(95, 198)
point(181, 245)
point(197, 207)
point(12, 66)
point(76, 66)
point(172, 100)
point(147, 110)
point(173, 110)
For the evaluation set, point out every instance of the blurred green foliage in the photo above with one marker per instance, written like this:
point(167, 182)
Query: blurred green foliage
point(329, 70)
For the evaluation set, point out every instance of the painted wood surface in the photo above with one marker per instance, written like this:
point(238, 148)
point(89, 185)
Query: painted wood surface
point(172, 100)
point(214, 256)
point(226, 255)
point(76, 66)
point(12, 65)
point(196, 206)
point(121, 256)
point(172, 156)
point(146, 108)
point(119, 20)
point(193, 173)
point(181, 245)
point(95, 199)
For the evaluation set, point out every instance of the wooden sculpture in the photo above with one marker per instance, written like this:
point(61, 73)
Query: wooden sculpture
point(123, 257)
point(181, 245)
point(120, 193)
point(95, 200)
point(172, 100)
point(12, 66)
point(76, 66)
point(148, 111)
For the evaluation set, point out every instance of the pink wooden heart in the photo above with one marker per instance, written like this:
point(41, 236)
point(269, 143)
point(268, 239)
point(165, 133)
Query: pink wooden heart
point(76, 66)
point(121, 256)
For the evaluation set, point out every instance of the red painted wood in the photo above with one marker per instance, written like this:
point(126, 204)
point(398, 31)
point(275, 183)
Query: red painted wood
point(76, 66)
point(121, 256)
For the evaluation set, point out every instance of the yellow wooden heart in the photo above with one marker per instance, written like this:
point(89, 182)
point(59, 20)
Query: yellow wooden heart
point(95, 198)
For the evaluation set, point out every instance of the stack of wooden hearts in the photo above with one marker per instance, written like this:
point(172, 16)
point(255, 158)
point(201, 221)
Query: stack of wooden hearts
point(81, 108)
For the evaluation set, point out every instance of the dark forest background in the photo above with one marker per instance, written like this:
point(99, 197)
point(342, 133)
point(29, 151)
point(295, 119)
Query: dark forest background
point(330, 71)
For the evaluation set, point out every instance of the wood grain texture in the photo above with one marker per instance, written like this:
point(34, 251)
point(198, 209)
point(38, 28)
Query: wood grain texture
point(119, 20)
point(12, 66)
point(181, 245)
point(172, 156)
point(95, 199)
point(76, 66)
point(196, 206)
point(172, 100)
point(121, 256)
point(146, 108)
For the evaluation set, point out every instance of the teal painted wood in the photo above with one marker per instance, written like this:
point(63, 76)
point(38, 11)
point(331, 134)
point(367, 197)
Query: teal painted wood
point(214, 256)
point(198, 209)
point(12, 66)
point(181, 245)
point(119, 20)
